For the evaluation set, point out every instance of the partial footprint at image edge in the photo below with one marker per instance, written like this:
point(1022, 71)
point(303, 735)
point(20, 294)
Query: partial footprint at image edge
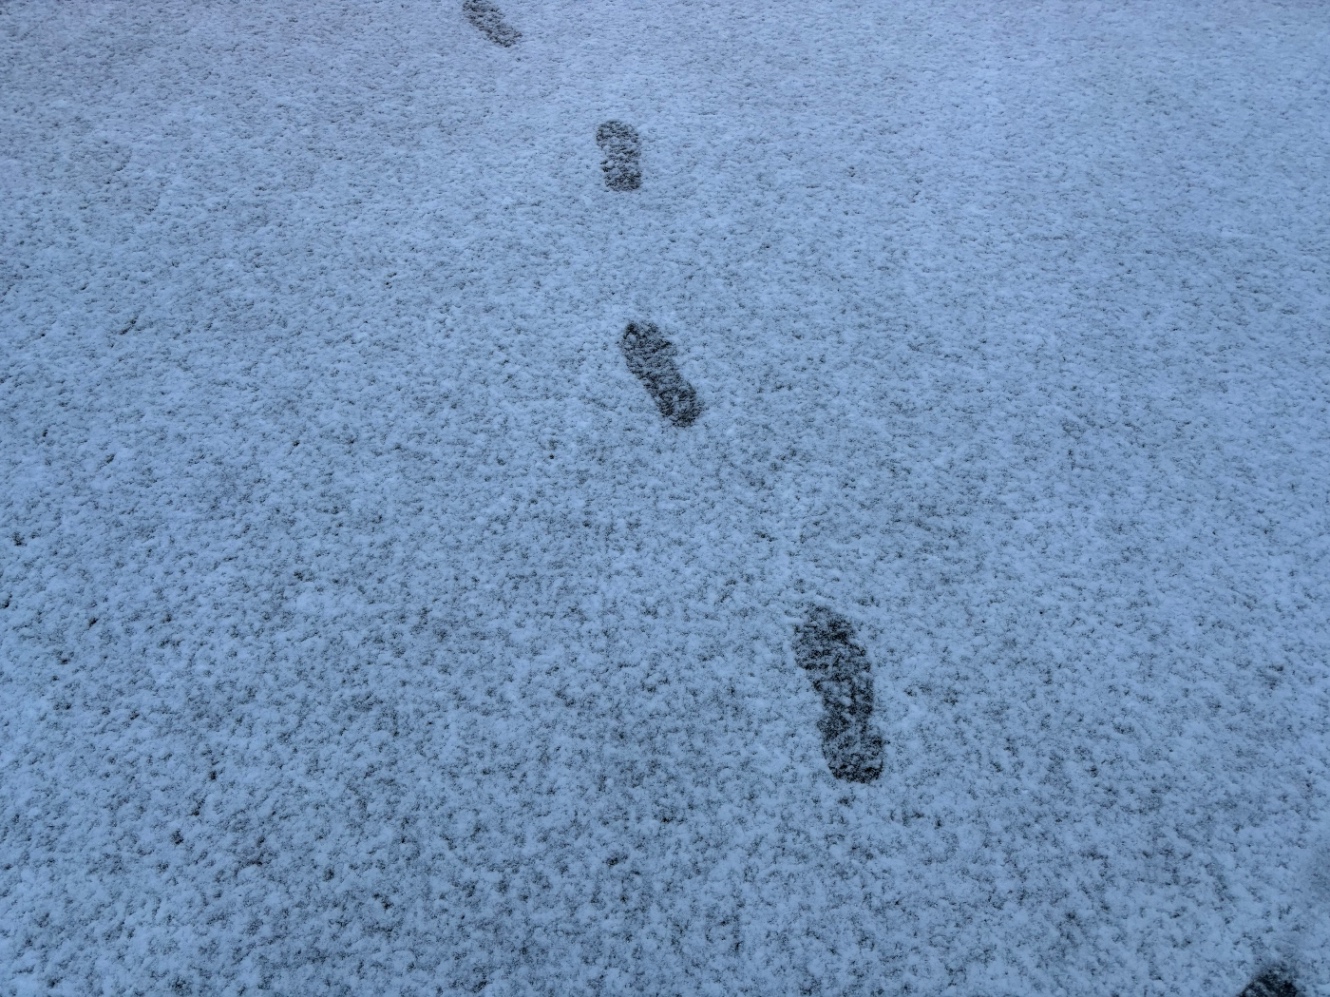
point(622, 148)
point(650, 358)
point(488, 20)
point(824, 646)
point(1271, 983)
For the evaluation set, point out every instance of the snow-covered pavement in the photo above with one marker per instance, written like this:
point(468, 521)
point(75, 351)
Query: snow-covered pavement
point(379, 615)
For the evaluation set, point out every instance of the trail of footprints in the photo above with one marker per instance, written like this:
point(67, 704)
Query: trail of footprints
point(825, 645)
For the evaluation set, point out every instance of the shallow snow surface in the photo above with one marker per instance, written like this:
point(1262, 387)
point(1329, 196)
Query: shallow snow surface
point(371, 626)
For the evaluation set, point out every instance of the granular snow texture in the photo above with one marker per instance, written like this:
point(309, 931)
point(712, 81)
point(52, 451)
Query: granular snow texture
point(364, 630)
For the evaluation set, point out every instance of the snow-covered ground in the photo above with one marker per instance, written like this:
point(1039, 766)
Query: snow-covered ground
point(367, 630)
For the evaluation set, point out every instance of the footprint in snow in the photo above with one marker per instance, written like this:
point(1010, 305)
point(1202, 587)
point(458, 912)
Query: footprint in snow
point(824, 646)
point(1271, 983)
point(650, 358)
point(488, 20)
point(622, 147)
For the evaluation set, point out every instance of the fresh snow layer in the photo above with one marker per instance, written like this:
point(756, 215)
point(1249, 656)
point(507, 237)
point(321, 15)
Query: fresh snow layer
point(367, 630)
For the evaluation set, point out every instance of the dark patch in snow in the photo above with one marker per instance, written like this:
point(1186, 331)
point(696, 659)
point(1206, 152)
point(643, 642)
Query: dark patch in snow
point(1271, 983)
point(842, 675)
point(650, 358)
point(622, 147)
point(488, 20)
